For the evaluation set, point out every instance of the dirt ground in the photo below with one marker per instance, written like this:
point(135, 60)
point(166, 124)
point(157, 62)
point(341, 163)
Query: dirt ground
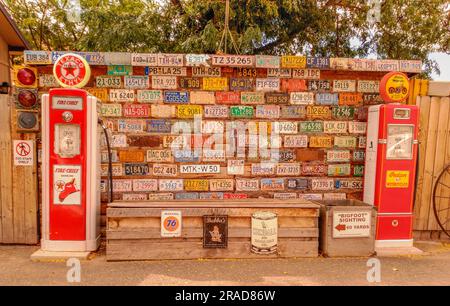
point(16, 268)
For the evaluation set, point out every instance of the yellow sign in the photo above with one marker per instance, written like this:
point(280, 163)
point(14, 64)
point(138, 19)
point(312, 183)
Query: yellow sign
point(215, 84)
point(100, 93)
point(320, 142)
point(397, 179)
point(394, 87)
point(189, 111)
point(293, 61)
point(196, 185)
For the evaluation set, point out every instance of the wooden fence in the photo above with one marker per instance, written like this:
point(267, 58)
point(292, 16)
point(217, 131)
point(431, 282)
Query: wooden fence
point(434, 154)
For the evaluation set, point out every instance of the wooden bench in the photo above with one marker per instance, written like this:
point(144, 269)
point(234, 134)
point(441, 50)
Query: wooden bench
point(134, 229)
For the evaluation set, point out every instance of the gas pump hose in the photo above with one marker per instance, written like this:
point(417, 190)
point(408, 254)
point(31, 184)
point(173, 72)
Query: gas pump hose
point(110, 177)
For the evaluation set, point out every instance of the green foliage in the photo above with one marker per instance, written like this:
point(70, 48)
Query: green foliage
point(410, 29)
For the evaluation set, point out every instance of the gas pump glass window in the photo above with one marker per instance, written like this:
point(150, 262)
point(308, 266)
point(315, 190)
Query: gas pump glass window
point(67, 140)
point(400, 141)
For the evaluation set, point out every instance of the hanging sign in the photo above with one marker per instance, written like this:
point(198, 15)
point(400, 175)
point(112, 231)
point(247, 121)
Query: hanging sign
point(394, 87)
point(71, 70)
point(171, 223)
point(352, 224)
point(264, 232)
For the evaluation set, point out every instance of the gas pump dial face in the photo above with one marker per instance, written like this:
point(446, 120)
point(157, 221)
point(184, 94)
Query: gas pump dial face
point(67, 140)
point(400, 141)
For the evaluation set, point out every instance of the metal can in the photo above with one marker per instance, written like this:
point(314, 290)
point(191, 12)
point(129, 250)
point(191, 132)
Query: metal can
point(264, 232)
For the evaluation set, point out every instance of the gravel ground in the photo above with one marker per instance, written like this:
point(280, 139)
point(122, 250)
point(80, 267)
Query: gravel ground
point(16, 268)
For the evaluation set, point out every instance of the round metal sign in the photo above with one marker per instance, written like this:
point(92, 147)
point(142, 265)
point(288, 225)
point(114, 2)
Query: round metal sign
point(71, 70)
point(394, 87)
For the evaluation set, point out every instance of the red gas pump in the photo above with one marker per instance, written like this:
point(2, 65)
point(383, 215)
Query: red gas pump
point(390, 170)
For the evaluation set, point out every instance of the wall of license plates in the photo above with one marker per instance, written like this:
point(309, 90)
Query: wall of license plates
point(318, 106)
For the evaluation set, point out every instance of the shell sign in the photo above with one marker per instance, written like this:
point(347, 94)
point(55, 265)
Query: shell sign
point(394, 87)
point(71, 70)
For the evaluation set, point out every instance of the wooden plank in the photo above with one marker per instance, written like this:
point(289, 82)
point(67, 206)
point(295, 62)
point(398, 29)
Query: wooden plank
point(430, 151)
point(30, 195)
point(439, 158)
point(424, 104)
point(446, 192)
point(192, 212)
point(197, 232)
point(155, 222)
point(144, 250)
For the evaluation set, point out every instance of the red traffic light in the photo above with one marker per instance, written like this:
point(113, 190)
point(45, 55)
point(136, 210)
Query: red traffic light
point(26, 76)
point(27, 98)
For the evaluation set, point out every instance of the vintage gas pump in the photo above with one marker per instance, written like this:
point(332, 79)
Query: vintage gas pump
point(391, 155)
point(70, 161)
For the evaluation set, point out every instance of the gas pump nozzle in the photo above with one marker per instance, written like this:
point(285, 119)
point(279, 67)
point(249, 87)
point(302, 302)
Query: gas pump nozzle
point(110, 176)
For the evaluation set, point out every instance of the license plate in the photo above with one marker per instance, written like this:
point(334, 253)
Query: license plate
point(186, 156)
point(130, 126)
point(189, 111)
point(247, 185)
point(263, 169)
point(282, 156)
point(387, 65)
point(211, 196)
point(145, 185)
point(119, 70)
point(310, 196)
point(285, 127)
point(213, 127)
point(199, 169)
point(213, 155)
point(196, 185)
point(411, 66)
point(335, 127)
point(165, 170)
point(117, 169)
point(320, 142)
point(360, 64)
point(318, 62)
point(235, 167)
point(349, 184)
point(121, 95)
point(136, 82)
point(131, 156)
point(369, 86)
point(170, 60)
point(277, 98)
point(327, 98)
point(149, 96)
point(322, 184)
point(122, 185)
point(293, 112)
point(267, 61)
point(99, 93)
point(37, 57)
point(221, 185)
point(108, 81)
point(345, 141)
point(338, 156)
point(164, 82)
point(343, 112)
point(288, 169)
point(268, 111)
point(202, 97)
point(362, 142)
point(159, 126)
point(302, 98)
point(134, 197)
point(206, 71)
point(216, 111)
point(191, 83)
point(233, 60)
point(193, 60)
point(279, 72)
point(186, 196)
point(247, 72)
point(285, 195)
point(313, 169)
point(227, 97)
point(350, 98)
point(111, 110)
point(241, 84)
point(252, 98)
point(372, 99)
point(234, 196)
point(176, 97)
point(339, 170)
point(339, 63)
point(136, 110)
point(105, 156)
point(177, 71)
point(358, 156)
point(144, 59)
point(293, 61)
point(215, 84)
point(344, 85)
point(290, 85)
point(242, 111)
point(319, 85)
point(318, 112)
point(358, 170)
point(268, 84)
point(311, 127)
point(357, 127)
point(334, 196)
point(159, 156)
point(48, 81)
point(170, 185)
point(162, 111)
point(296, 141)
point(136, 169)
point(163, 196)
point(271, 184)
point(306, 74)
point(297, 184)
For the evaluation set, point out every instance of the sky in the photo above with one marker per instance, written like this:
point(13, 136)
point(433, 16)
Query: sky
point(444, 64)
